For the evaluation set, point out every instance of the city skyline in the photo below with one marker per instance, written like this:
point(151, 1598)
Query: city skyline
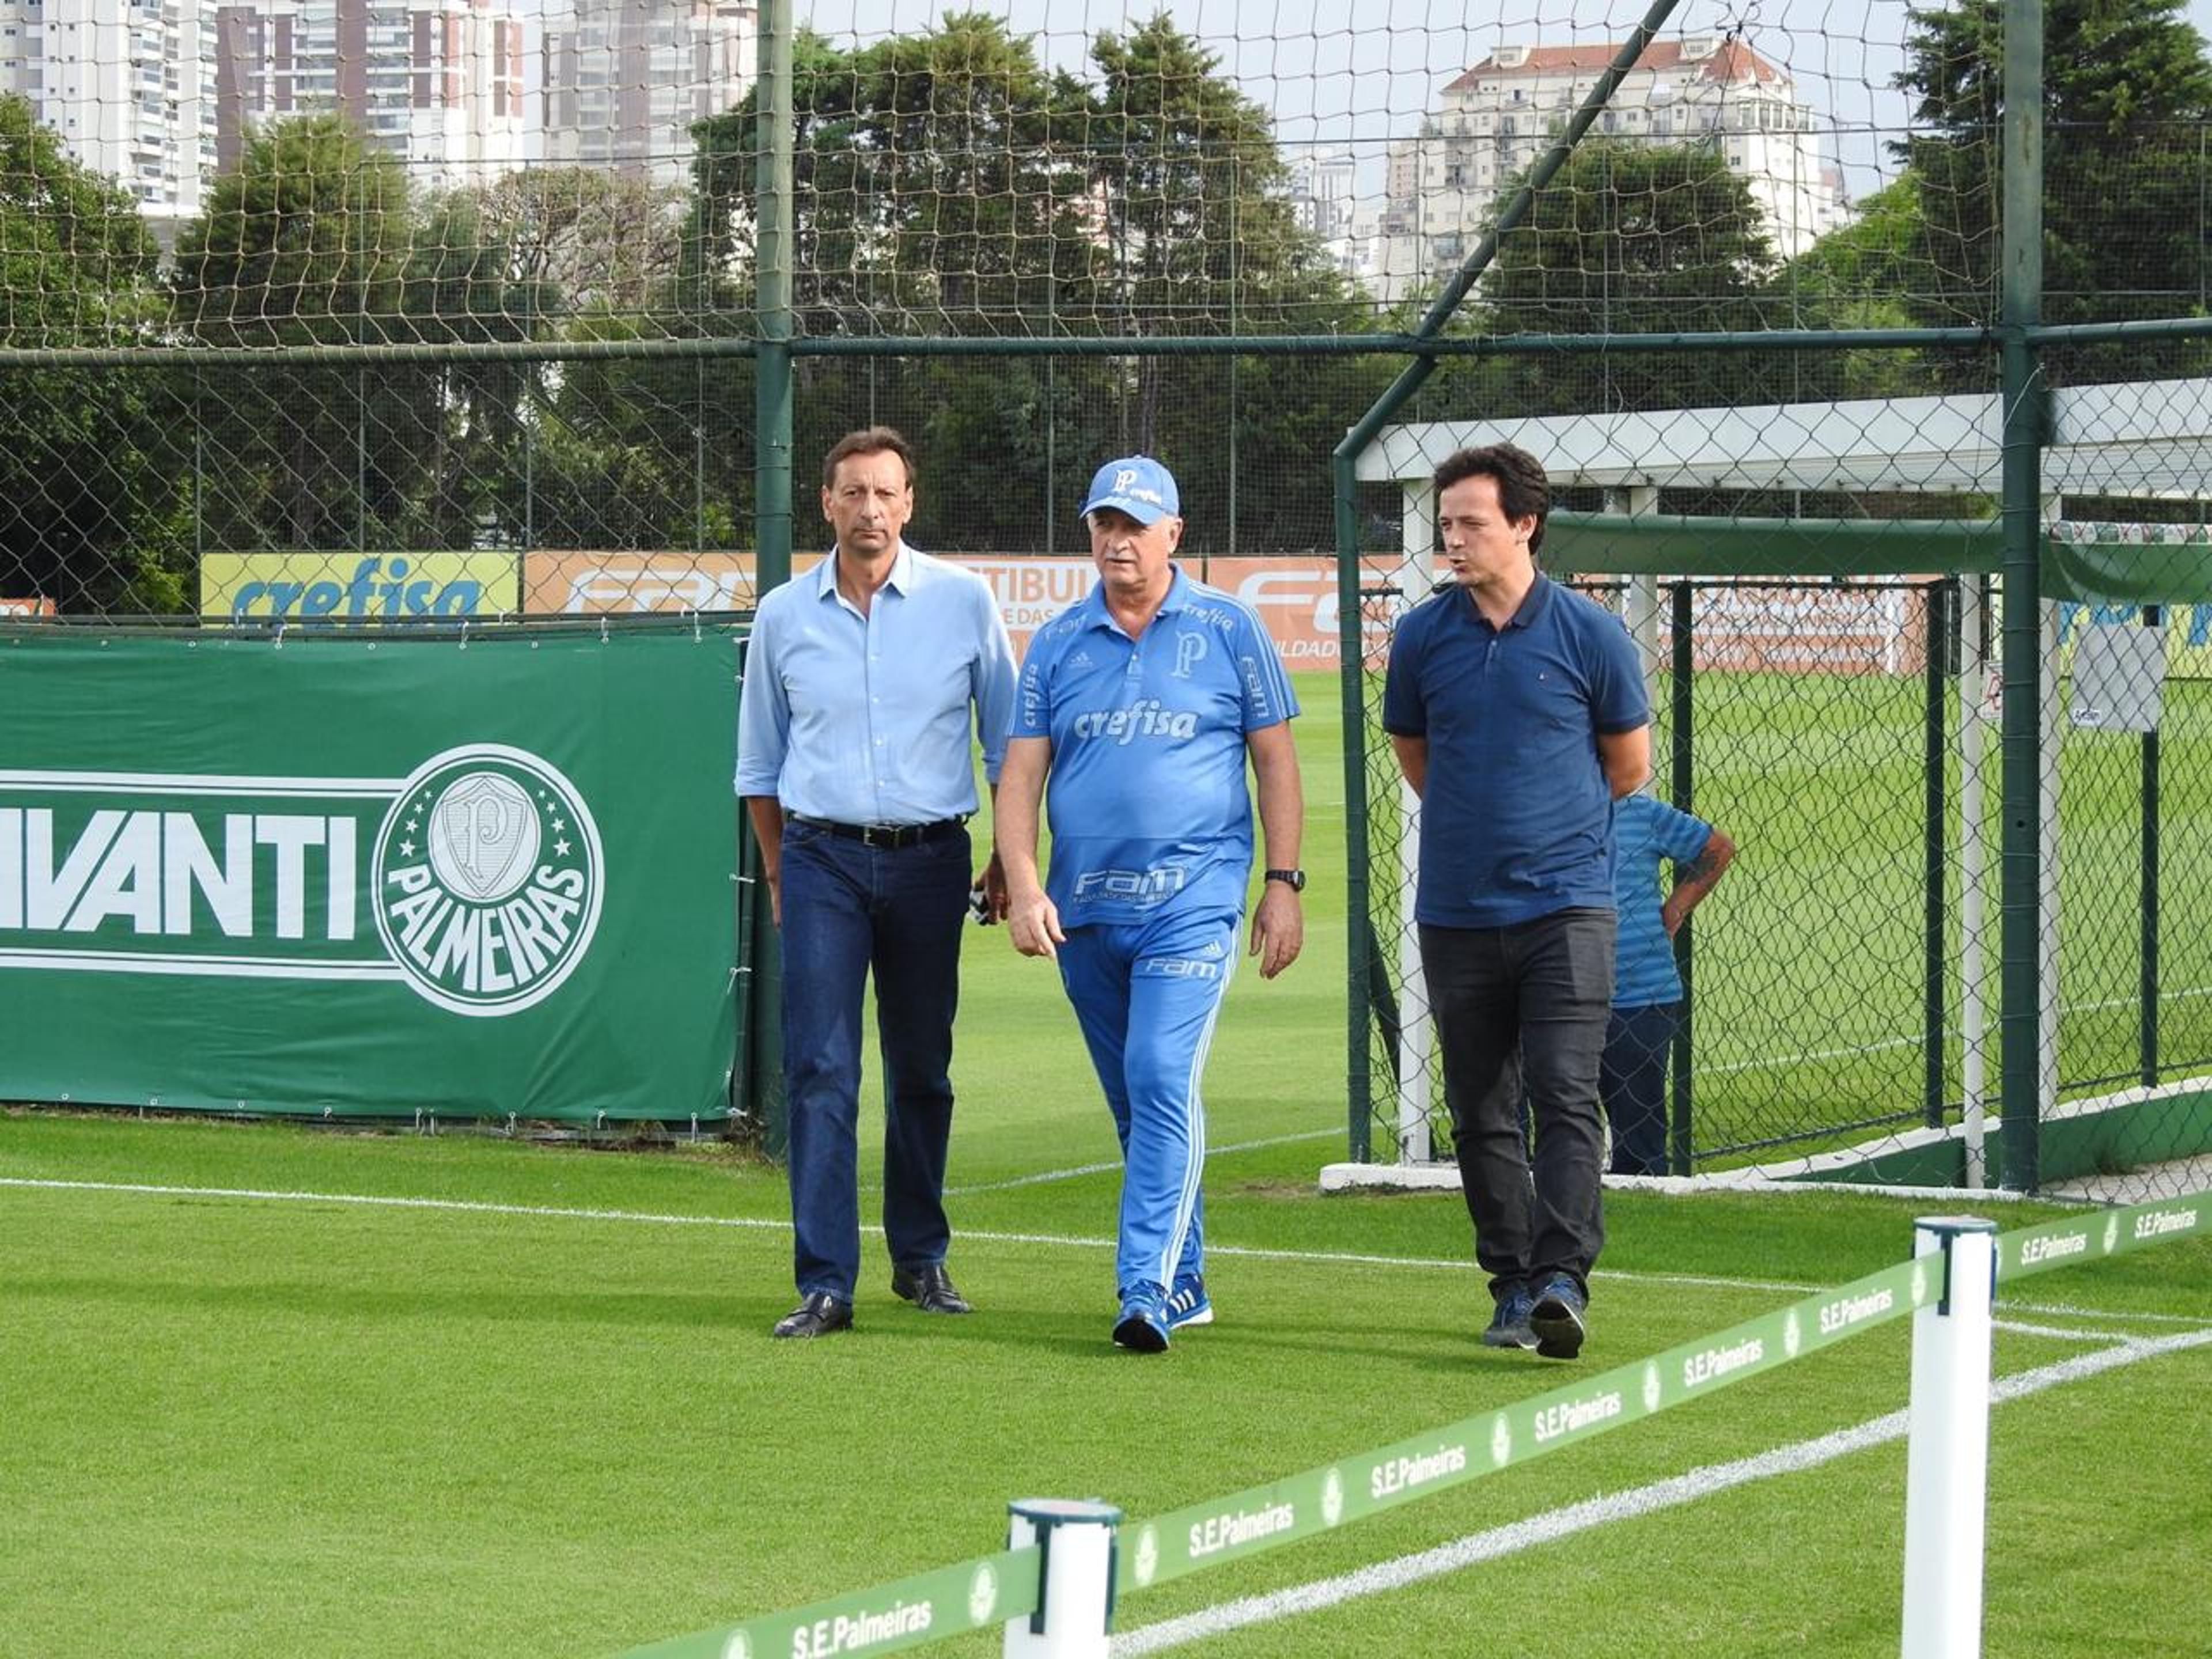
point(463, 90)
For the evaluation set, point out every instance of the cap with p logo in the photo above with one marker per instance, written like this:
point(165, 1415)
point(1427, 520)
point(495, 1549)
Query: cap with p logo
point(1136, 485)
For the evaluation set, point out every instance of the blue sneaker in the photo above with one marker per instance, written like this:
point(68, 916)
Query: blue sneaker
point(1509, 1326)
point(1144, 1325)
point(1557, 1317)
point(1187, 1304)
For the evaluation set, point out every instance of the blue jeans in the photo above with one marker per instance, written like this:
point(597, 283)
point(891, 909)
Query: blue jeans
point(850, 910)
point(1527, 1001)
point(1147, 995)
point(1632, 1083)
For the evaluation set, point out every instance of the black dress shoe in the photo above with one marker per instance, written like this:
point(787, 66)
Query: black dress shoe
point(818, 1315)
point(929, 1289)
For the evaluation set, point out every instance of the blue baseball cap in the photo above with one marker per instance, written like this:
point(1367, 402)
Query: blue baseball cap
point(1136, 485)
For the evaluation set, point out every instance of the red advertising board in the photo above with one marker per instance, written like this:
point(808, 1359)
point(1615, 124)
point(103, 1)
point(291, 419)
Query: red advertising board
point(1295, 595)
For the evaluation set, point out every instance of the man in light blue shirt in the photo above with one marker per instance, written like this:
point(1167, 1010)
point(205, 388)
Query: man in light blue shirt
point(866, 682)
point(1143, 701)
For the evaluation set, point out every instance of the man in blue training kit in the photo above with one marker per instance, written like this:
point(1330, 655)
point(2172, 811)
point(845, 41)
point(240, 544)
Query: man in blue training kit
point(1141, 702)
point(1647, 990)
point(1519, 715)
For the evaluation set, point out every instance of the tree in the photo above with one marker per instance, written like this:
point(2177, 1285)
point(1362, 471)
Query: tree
point(1199, 238)
point(1634, 239)
point(91, 484)
point(575, 239)
point(929, 191)
point(307, 242)
point(947, 183)
point(2127, 96)
point(1856, 277)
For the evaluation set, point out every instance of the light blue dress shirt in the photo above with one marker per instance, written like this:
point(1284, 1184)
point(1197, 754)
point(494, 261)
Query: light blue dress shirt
point(865, 719)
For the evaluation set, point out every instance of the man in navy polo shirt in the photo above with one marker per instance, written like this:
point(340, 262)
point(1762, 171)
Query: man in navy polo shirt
point(1518, 713)
point(1142, 700)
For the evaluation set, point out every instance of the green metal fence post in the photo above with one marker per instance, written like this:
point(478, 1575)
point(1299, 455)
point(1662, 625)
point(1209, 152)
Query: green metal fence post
point(2148, 990)
point(1935, 798)
point(199, 473)
point(772, 460)
point(1358, 924)
point(772, 299)
point(2022, 396)
point(529, 486)
point(361, 461)
point(1682, 696)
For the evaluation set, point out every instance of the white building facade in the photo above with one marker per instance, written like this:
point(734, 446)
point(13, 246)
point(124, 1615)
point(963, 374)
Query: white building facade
point(124, 84)
point(1324, 197)
point(437, 84)
point(624, 80)
point(1443, 186)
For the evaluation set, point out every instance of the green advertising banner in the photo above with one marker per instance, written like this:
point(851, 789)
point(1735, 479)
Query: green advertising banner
point(2111, 1232)
point(466, 874)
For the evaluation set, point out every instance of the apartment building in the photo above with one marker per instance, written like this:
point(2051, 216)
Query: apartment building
point(123, 82)
point(624, 80)
point(1443, 186)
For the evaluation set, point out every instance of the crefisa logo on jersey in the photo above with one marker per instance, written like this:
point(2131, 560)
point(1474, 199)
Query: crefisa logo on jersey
point(488, 876)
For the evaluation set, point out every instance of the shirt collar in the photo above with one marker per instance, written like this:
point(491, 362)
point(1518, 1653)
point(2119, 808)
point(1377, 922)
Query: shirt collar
point(902, 576)
point(1530, 609)
point(1097, 615)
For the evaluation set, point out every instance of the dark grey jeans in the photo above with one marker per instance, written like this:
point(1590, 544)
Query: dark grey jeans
point(1528, 1001)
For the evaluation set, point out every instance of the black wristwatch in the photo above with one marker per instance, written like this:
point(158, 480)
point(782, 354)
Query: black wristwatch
point(1294, 879)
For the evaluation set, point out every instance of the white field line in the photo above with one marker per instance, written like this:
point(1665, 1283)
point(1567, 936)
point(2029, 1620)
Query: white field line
point(1559, 1523)
point(2071, 1311)
point(1767, 1063)
point(2054, 1333)
point(1045, 1175)
point(1055, 1241)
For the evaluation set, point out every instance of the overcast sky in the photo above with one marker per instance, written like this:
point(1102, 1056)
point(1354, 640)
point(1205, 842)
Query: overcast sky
point(1360, 83)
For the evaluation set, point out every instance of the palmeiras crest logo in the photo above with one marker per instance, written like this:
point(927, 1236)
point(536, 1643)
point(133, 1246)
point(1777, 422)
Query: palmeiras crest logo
point(489, 877)
point(982, 1593)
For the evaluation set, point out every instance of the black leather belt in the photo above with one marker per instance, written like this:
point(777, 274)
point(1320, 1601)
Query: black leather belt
point(891, 836)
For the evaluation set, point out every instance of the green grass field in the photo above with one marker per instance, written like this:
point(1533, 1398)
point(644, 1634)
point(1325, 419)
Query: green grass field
point(260, 1425)
point(530, 1409)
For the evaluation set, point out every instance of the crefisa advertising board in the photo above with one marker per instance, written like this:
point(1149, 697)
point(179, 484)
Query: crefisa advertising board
point(348, 875)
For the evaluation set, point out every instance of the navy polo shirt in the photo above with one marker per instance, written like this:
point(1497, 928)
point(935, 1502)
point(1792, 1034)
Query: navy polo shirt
point(1516, 817)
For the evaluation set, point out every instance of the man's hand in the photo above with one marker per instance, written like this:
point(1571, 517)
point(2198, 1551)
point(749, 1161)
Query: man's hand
point(988, 893)
point(774, 880)
point(1033, 922)
point(1279, 928)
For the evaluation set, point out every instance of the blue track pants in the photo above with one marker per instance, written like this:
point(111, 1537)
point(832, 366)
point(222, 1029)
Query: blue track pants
point(1147, 995)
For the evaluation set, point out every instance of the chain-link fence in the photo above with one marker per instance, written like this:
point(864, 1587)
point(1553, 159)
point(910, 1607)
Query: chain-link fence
point(486, 316)
point(1841, 988)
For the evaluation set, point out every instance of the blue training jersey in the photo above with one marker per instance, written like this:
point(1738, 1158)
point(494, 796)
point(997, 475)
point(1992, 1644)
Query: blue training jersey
point(1147, 799)
point(1645, 831)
